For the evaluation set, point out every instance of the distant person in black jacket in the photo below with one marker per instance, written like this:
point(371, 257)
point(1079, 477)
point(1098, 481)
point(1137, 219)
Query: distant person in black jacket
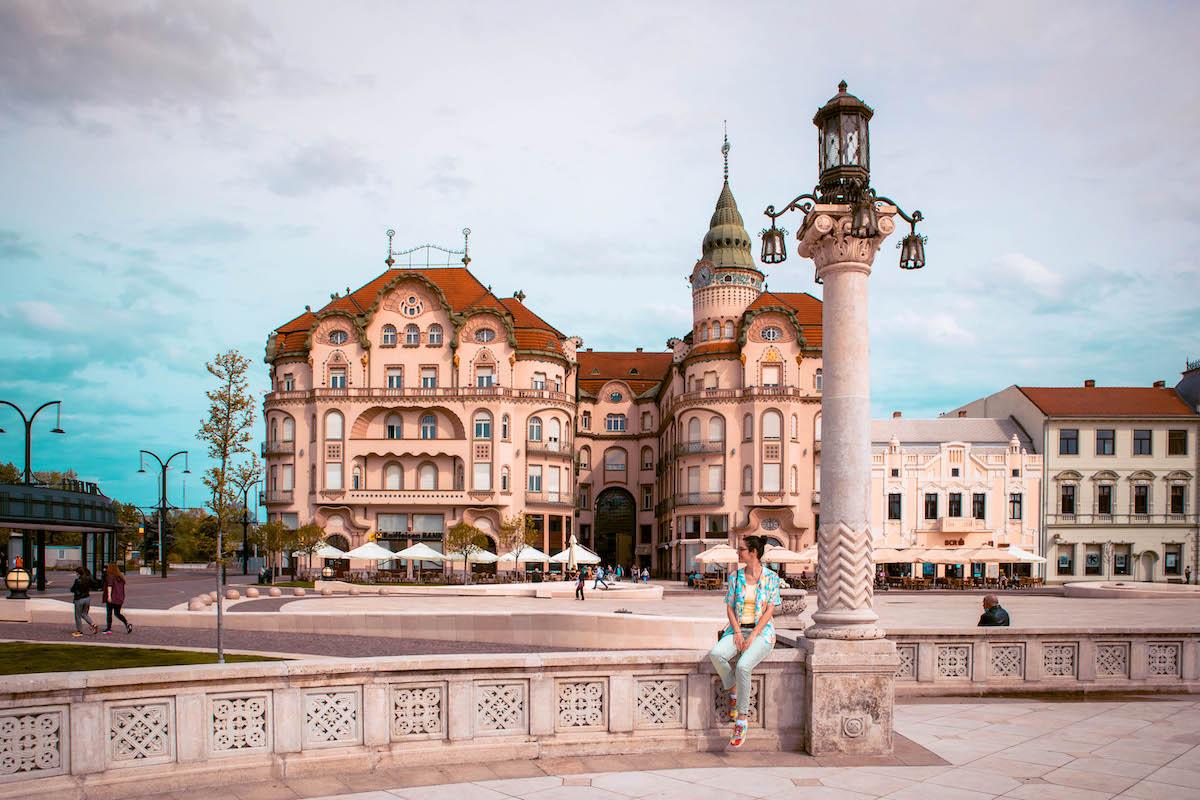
point(993, 615)
point(81, 595)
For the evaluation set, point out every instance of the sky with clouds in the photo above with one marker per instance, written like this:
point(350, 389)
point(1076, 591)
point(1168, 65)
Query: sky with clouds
point(179, 178)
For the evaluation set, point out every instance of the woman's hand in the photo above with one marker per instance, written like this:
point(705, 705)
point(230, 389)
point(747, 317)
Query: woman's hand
point(738, 641)
point(747, 642)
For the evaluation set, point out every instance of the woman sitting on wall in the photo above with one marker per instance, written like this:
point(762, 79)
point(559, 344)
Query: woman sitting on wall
point(750, 602)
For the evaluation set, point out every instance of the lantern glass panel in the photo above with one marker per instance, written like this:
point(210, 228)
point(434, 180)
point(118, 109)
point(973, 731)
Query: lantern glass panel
point(850, 140)
point(832, 139)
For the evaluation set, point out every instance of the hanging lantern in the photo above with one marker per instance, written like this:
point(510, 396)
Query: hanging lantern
point(774, 245)
point(843, 146)
point(866, 221)
point(912, 251)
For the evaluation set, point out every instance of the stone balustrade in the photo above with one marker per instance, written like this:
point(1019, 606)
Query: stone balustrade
point(997, 660)
point(123, 732)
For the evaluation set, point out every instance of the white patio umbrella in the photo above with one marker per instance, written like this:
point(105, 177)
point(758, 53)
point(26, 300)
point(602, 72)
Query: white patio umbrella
point(896, 555)
point(324, 551)
point(372, 552)
point(476, 557)
point(419, 552)
point(1017, 554)
point(574, 555)
point(527, 555)
point(718, 554)
point(782, 555)
point(946, 555)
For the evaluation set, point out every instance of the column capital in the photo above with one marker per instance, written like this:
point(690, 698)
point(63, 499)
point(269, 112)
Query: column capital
point(825, 238)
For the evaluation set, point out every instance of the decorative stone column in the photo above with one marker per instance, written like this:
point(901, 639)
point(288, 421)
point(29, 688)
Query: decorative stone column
point(851, 667)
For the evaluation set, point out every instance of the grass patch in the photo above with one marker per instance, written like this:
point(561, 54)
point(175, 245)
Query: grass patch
point(301, 584)
point(22, 658)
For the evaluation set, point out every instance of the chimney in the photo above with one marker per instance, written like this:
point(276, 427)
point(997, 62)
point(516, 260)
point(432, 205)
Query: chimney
point(895, 415)
point(962, 414)
point(639, 349)
point(1160, 384)
point(589, 349)
point(1090, 383)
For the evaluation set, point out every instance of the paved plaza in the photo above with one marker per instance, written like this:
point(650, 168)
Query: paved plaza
point(974, 750)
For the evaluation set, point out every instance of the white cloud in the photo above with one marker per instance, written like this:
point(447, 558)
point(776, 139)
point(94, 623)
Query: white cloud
point(1033, 274)
point(40, 314)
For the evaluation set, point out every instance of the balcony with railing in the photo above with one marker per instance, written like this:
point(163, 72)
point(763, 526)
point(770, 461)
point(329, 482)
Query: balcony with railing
point(279, 496)
point(416, 497)
point(550, 498)
point(748, 393)
point(278, 447)
point(554, 447)
point(699, 498)
point(691, 448)
point(419, 393)
point(1122, 519)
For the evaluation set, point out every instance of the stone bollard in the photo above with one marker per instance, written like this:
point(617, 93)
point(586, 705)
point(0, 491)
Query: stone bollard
point(274, 591)
point(212, 596)
point(196, 604)
point(206, 599)
point(298, 591)
point(384, 591)
point(251, 591)
point(232, 594)
point(355, 591)
point(327, 592)
point(788, 617)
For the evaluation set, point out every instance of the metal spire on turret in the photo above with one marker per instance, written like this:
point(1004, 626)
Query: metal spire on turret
point(725, 149)
point(727, 243)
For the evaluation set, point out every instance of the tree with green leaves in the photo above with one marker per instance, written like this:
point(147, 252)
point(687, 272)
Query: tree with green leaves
point(273, 538)
point(245, 476)
point(309, 539)
point(468, 540)
point(517, 533)
point(226, 432)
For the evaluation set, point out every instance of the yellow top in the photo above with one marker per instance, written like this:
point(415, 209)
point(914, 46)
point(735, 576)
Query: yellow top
point(746, 617)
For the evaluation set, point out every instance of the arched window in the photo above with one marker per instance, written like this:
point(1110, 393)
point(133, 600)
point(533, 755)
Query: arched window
point(435, 334)
point(460, 477)
point(428, 426)
point(289, 429)
point(747, 480)
point(338, 337)
point(772, 334)
point(820, 381)
point(614, 423)
point(485, 335)
point(312, 428)
point(483, 425)
point(772, 425)
point(795, 427)
point(504, 427)
point(729, 330)
point(333, 425)
point(747, 428)
point(389, 335)
point(703, 333)
point(614, 460)
point(274, 434)
point(716, 429)
point(647, 458)
point(585, 458)
point(693, 429)
point(412, 335)
point(427, 477)
point(393, 477)
point(553, 434)
point(716, 330)
point(535, 429)
point(394, 426)
point(817, 429)
point(795, 480)
point(356, 478)
point(504, 479)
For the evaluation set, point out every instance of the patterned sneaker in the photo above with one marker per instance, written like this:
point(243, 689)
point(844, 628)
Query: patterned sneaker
point(739, 733)
point(76, 634)
point(732, 707)
point(108, 633)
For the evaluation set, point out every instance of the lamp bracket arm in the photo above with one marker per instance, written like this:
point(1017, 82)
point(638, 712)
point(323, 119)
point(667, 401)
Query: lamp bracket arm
point(16, 408)
point(797, 204)
point(912, 219)
point(155, 457)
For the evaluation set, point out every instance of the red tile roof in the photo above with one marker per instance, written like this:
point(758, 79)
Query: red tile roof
point(720, 347)
point(1104, 401)
point(596, 369)
point(806, 308)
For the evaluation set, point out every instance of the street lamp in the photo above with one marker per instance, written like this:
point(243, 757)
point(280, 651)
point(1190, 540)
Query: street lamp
point(245, 490)
point(327, 572)
point(17, 581)
point(27, 477)
point(162, 499)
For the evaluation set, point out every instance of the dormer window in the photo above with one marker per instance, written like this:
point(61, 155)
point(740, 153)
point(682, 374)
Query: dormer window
point(389, 335)
point(338, 337)
point(772, 333)
point(484, 335)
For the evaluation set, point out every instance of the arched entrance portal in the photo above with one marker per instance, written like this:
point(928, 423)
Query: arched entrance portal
point(616, 523)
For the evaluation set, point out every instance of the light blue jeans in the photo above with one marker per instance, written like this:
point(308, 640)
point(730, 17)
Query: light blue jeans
point(737, 676)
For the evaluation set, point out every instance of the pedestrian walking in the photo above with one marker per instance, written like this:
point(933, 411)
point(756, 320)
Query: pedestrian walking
point(81, 595)
point(750, 602)
point(645, 575)
point(580, 580)
point(599, 578)
point(114, 598)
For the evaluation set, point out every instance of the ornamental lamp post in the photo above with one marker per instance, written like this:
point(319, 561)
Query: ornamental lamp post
point(27, 476)
point(163, 466)
point(844, 224)
point(17, 580)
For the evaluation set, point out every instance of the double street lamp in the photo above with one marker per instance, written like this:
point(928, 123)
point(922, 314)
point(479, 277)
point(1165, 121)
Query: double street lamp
point(27, 475)
point(244, 489)
point(162, 500)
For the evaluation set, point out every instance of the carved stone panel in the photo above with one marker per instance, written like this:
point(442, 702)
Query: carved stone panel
point(1006, 661)
point(720, 704)
point(140, 732)
point(33, 742)
point(660, 703)
point(332, 717)
point(953, 662)
point(1059, 660)
point(1163, 659)
point(418, 711)
point(239, 723)
point(501, 707)
point(907, 671)
point(1112, 660)
point(582, 705)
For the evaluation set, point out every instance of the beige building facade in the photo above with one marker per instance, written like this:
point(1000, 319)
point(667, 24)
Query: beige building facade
point(1120, 487)
point(954, 482)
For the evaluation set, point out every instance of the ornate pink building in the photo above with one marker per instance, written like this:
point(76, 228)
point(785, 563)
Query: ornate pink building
point(423, 399)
